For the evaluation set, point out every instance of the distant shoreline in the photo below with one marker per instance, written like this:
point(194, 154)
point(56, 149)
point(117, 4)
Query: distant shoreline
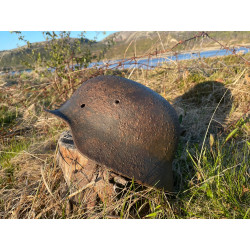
point(160, 55)
point(181, 52)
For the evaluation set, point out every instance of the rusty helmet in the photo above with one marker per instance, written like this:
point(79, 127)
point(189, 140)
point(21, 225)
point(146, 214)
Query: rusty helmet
point(124, 126)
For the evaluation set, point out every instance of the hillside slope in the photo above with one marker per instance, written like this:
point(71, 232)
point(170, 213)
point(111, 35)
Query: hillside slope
point(130, 43)
point(141, 42)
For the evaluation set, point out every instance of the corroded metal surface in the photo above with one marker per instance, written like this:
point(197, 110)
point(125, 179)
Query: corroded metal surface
point(124, 126)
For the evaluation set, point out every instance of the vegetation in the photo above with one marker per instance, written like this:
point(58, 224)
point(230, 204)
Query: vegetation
point(58, 49)
point(211, 168)
point(127, 44)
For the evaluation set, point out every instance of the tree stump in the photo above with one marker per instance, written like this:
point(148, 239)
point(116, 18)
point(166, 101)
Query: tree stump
point(79, 171)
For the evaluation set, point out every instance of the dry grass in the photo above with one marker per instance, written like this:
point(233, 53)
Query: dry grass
point(211, 175)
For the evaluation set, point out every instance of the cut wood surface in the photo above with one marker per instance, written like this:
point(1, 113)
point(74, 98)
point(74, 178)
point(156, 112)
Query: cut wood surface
point(78, 171)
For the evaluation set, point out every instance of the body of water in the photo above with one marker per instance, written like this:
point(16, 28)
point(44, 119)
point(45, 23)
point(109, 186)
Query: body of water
point(154, 62)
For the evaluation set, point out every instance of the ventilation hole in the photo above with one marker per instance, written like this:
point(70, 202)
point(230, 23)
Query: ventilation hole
point(117, 101)
point(83, 105)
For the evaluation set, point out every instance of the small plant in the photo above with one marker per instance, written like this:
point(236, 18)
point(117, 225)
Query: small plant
point(64, 56)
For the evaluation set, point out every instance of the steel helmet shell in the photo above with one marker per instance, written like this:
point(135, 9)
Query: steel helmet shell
point(124, 126)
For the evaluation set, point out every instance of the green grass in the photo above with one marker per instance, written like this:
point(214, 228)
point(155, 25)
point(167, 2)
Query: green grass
point(219, 183)
point(211, 168)
point(14, 148)
point(7, 117)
